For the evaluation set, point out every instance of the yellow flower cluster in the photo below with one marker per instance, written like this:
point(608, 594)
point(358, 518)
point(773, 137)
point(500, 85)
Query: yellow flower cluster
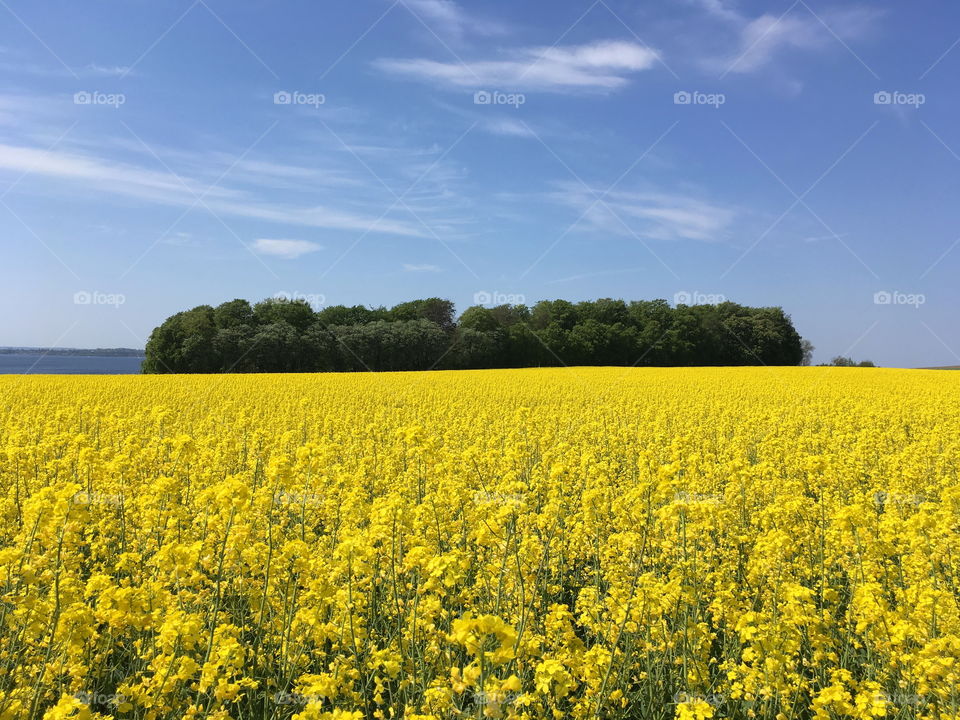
point(777, 543)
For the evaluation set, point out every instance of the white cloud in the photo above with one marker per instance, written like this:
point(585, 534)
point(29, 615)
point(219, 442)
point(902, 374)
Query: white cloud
point(26, 111)
point(105, 70)
point(407, 267)
point(508, 127)
point(257, 172)
point(286, 249)
point(676, 217)
point(319, 217)
point(657, 215)
point(117, 177)
point(760, 40)
point(315, 183)
point(179, 239)
point(762, 37)
point(92, 70)
point(720, 9)
point(603, 65)
point(448, 18)
point(821, 238)
point(90, 172)
point(599, 273)
point(295, 173)
point(500, 124)
point(446, 12)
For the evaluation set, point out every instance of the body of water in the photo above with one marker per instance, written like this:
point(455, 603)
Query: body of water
point(69, 365)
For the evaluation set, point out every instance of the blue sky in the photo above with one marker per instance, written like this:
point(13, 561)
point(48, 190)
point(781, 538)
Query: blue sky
point(156, 156)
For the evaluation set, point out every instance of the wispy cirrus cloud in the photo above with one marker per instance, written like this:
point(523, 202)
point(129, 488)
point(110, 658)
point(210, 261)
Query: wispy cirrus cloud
point(29, 113)
point(450, 19)
point(262, 172)
point(92, 70)
point(762, 38)
point(330, 190)
point(82, 172)
point(491, 121)
point(657, 215)
point(179, 239)
point(123, 178)
point(599, 66)
point(97, 70)
point(719, 8)
point(599, 273)
point(411, 268)
point(508, 127)
point(285, 248)
point(757, 42)
point(361, 178)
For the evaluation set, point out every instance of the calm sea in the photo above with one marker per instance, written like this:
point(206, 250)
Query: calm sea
point(69, 365)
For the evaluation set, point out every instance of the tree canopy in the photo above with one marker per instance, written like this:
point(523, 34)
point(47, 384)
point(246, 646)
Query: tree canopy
point(278, 335)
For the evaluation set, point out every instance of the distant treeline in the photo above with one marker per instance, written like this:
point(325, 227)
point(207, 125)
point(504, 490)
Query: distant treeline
point(73, 352)
point(289, 336)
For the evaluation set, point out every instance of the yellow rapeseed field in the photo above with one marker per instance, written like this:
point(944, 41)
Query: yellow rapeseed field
point(563, 543)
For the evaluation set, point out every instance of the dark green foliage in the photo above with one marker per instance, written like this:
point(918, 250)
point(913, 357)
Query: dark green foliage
point(288, 336)
point(296, 313)
point(841, 361)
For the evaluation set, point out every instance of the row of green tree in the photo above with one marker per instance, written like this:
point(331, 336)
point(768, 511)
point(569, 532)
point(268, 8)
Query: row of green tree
point(289, 336)
point(842, 361)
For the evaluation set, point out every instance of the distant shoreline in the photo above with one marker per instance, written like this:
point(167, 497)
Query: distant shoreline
point(73, 352)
